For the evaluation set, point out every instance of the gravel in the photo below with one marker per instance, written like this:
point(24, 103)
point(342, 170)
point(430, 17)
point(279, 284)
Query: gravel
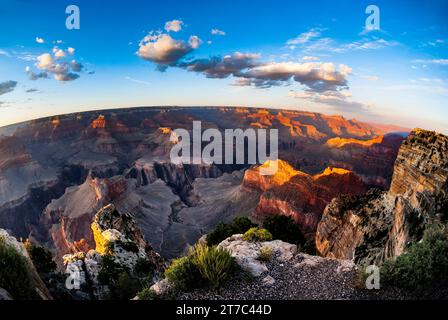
point(295, 280)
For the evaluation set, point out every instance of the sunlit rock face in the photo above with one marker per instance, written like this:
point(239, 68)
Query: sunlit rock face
point(56, 172)
point(373, 158)
point(381, 225)
point(299, 195)
point(117, 236)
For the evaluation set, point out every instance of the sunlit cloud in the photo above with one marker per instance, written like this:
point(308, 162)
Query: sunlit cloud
point(174, 25)
point(217, 32)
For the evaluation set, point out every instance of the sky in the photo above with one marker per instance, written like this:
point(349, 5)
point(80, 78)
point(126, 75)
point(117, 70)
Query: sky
point(306, 55)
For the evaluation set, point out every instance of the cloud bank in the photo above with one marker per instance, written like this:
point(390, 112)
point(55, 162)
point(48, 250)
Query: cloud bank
point(7, 86)
point(165, 51)
point(56, 64)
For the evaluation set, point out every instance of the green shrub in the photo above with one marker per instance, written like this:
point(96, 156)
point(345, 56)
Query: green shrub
point(222, 231)
point(215, 264)
point(361, 277)
point(42, 258)
point(284, 228)
point(257, 234)
point(147, 294)
point(143, 267)
point(15, 275)
point(110, 271)
point(265, 254)
point(242, 224)
point(203, 265)
point(122, 285)
point(184, 274)
point(126, 287)
point(423, 266)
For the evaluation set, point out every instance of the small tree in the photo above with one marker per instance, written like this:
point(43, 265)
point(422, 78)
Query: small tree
point(284, 228)
point(423, 266)
point(42, 258)
point(223, 230)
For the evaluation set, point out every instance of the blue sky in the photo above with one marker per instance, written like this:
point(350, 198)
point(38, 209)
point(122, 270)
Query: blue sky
point(307, 55)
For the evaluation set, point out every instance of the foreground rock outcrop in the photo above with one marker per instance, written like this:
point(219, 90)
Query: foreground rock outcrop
point(381, 224)
point(41, 289)
point(117, 239)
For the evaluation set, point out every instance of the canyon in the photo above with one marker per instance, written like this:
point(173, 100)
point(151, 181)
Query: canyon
point(57, 172)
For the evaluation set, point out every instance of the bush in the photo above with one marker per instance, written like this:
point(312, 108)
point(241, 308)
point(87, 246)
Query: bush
point(42, 258)
point(147, 294)
point(109, 272)
point(143, 267)
point(203, 265)
point(215, 264)
point(15, 275)
point(284, 228)
point(121, 285)
point(126, 287)
point(242, 224)
point(265, 254)
point(184, 274)
point(257, 234)
point(425, 264)
point(222, 231)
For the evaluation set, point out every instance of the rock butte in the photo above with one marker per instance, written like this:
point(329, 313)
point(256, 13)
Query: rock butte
point(380, 225)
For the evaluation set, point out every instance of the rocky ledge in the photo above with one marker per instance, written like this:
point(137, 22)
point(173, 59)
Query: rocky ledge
point(287, 275)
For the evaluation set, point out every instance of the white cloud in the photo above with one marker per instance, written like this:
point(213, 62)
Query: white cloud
point(44, 61)
point(434, 43)
point(433, 80)
point(164, 50)
point(312, 41)
point(194, 42)
point(71, 50)
point(242, 82)
point(40, 40)
point(138, 81)
point(370, 78)
point(310, 58)
point(58, 53)
point(340, 100)
point(305, 37)
point(4, 53)
point(62, 71)
point(217, 32)
point(316, 76)
point(442, 62)
point(369, 44)
point(174, 25)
